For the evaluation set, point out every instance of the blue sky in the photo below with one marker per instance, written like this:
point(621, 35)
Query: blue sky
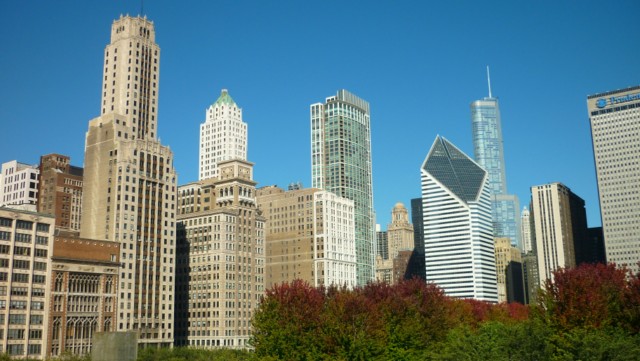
point(418, 63)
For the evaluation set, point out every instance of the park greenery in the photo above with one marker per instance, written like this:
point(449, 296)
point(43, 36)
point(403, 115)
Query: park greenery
point(591, 312)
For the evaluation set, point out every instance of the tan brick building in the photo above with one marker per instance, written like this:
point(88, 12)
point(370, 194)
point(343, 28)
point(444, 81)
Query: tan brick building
point(505, 255)
point(310, 236)
point(60, 191)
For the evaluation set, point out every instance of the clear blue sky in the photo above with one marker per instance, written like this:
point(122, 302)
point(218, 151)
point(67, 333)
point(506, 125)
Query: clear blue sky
point(419, 64)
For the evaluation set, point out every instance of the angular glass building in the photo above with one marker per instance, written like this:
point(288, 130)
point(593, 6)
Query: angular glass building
point(458, 236)
point(489, 153)
point(341, 164)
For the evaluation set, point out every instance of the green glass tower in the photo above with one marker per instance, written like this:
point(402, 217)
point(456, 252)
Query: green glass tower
point(341, 163)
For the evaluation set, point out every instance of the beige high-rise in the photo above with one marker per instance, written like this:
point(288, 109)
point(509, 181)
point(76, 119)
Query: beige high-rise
point(221, 265)
point(400, 241)
point(554, 236)
point(310, 236)
point(130, 182)
point(505, 254)
point(615, 131)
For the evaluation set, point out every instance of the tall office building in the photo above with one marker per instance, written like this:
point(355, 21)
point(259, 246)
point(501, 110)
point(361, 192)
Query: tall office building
point(310, 236)
point(560, 224)
point(525, 230)
point(221, 258)
point(223, 135)
point(489, 153)
point(341, 164)
point(615, 131)
point(130, 183)
point(509, 271)
point(60, 191)
point(19, 185)
point(456, 199)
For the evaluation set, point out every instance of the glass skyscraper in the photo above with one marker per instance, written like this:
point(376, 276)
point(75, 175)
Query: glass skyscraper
point(489, 153)
point(341, 163)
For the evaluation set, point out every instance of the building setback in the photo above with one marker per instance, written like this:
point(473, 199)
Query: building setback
point(458, 238)
point(341, 164)
point(310, 236)
point(130, 183)
point(223, 136)
point(221, 259)
point(60, 191)
point(615, 131)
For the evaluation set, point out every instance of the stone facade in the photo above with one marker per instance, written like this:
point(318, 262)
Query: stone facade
point(84, 280)
point(221, 259)
point(310, 236)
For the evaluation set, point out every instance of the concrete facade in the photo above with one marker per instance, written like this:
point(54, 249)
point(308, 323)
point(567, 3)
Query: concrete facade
point(221, 259)
point(223, 136)
point(130, 183)
point(615, 132)
point(310, 236)
point(506, 255)
point(19, 185)
point(559, 224)
point(26, 241)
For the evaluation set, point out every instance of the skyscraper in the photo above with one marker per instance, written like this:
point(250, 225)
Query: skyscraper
point(130, 183)
point(223, 135)
point(316, 243)
point(489, 153)
point(458, 240)
point(615, 131)
point(525, 231)
point(398, 248)
point(221, 258)
point(560, 225)
point(341, 164)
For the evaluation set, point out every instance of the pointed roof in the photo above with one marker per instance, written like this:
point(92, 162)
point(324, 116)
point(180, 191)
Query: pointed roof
point(225, 99)
point(455, 170)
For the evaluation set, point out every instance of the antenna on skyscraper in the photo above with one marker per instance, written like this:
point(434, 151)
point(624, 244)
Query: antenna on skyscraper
point(489, 81)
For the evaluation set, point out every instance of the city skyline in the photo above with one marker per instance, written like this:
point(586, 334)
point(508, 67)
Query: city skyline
point(541, 61)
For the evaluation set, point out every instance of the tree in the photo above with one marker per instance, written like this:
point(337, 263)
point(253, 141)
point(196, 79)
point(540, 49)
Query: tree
point(589, 296)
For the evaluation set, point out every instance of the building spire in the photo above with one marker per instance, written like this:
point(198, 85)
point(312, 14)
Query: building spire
point(489, 81)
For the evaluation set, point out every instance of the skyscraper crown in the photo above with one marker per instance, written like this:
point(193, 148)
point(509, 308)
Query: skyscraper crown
point(455, 170)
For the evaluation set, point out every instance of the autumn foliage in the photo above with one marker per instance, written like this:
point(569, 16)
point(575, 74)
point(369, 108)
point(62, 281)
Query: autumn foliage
point(589, 312)
point(593, 296)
